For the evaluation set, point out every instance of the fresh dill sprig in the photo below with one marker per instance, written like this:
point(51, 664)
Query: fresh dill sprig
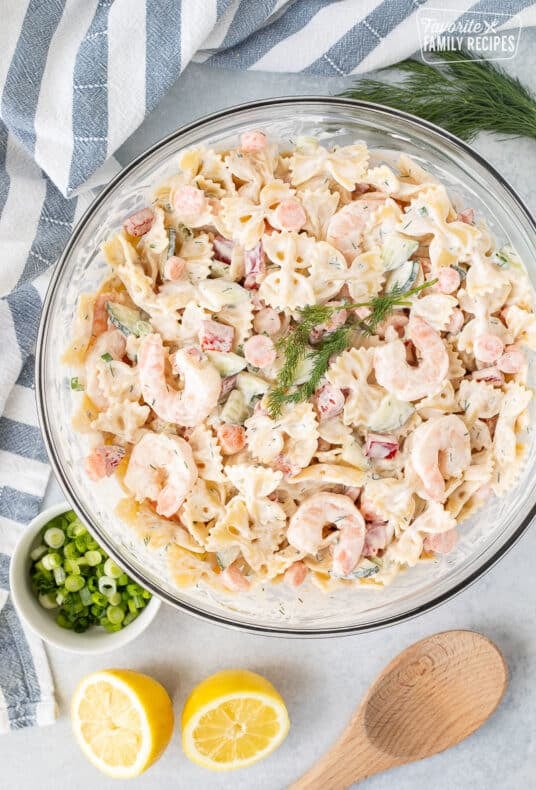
point(295, 346)
point(463, 96)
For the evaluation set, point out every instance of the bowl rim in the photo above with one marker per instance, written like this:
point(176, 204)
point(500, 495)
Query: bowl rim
point(279, 630)
point(30, 613)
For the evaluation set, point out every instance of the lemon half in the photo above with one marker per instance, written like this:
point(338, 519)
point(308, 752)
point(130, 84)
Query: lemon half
point(122, 720)
point(233, 719)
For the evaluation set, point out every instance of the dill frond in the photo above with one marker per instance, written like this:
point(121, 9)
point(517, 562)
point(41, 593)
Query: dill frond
point(463, 96)
point(295, 346)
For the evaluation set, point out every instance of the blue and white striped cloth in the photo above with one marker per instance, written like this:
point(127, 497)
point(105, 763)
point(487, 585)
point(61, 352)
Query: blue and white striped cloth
point(77, 77)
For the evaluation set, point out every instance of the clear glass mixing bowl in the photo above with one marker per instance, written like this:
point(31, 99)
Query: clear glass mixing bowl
point(471, 182)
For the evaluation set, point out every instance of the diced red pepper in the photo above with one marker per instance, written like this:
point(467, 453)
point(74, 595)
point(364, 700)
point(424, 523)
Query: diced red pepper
point(214, 336)
point(223, 249)
point(381, 445)
point(255, 266)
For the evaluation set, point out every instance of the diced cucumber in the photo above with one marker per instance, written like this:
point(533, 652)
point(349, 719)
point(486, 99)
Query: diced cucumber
point(251, 386)
point(172, 236)
point(303, 371)
point(218, 293)
point(218, 269)
point(235, 409)
point(390, 415)
point(226, 556)
point(403, 278)
point(226, 362)
point(364, 570)
point(128, 320)
point(396, 250)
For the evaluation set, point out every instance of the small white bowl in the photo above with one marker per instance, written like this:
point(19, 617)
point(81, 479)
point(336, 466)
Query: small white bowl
point(41, 621)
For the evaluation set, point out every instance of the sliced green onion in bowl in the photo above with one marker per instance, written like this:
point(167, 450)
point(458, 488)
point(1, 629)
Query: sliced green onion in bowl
point(71, 573)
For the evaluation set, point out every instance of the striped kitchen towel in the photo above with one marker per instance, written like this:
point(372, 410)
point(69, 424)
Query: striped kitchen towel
point(76, 79)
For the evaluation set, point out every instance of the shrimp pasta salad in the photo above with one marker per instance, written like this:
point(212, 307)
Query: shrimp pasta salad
point(303, 366)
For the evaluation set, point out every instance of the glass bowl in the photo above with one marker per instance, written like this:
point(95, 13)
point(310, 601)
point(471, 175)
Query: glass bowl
point(275, 609)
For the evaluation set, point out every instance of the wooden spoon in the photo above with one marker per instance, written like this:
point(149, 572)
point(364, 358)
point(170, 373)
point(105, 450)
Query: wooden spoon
point(430, 697)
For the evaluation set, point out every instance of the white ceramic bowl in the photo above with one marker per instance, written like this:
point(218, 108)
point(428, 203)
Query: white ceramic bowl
point(41, 621)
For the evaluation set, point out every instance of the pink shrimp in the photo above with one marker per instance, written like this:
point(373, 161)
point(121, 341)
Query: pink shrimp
point(441, 542)
point(290, 215)
point(488, 347)
point(100, 313)
point(162, 469)
point(202, 383)
point(329, 401)
point(234, 579)
point(189, 202)
point(296, 574)
point(375, 539)
point(512, 361)
point(305, 531)
point(175, 268)
point(345, 228)
point(103, 461)
point(232, 438)
point(448, 280)
point(259, 351)
point(336, 320)
point(267, 321)
point(253, 142)
point(407, 382)
point(456, 321)
point(214, 336)
point(441, 448)
point(139, 223)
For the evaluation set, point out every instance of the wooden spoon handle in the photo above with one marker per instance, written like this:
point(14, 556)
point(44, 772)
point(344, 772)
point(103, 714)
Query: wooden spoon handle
point(351, 759)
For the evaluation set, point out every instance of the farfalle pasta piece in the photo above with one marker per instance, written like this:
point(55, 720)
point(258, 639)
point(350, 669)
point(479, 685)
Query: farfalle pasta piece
point(205, 504)
point(153, 246)
point(351, 371)
point(244, 218)
point(406, 549)
point(435, 309)
point(154, 531)
point(124, 420)
point(331, 474)
point(443, 402)
point(434, 519)
point(319, 206)
point(347, 165)
point(207, 454)
point(505, 445)
point(478, 400)
point(207, 163)
point(522, 325)
point(391, 499)
point(240, 317)
point(286, 286)
point(291, 439)
point(255, 483)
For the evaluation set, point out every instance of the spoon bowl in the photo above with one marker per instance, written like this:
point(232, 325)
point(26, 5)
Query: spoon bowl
point(430, 697)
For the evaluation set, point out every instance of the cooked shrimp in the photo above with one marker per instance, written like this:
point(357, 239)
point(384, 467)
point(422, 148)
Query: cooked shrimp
point(290, 215)
point(305, 531)
point(232, 438)
point(296, 574)
point(111, 343)
point(346, 227)
point(488, 348)
point(139, 223)
point(202, 383)
point(440, 448)
point(456, 321)
point(409, 383)
point(175, 268)
point(189, 202)
point(448, 280)
point(103, 461)
point(234, 579)
point(259, 351)
point(161, 468)
point(512, 361)
point(441, 542)
point(267, 321)
point(100, 313)
point(252, 142)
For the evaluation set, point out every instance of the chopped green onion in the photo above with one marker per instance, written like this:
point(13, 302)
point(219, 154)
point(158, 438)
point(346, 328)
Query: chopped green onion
point(38, 552)
point(115, 614)
point(48, 601)
point(107, 586)
point(112, 570)
point(74, 583)
point(71, 572)
point(54, 537)
point(93, 558)
point(75, 384)
point(106, 357)
point(59, 576)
